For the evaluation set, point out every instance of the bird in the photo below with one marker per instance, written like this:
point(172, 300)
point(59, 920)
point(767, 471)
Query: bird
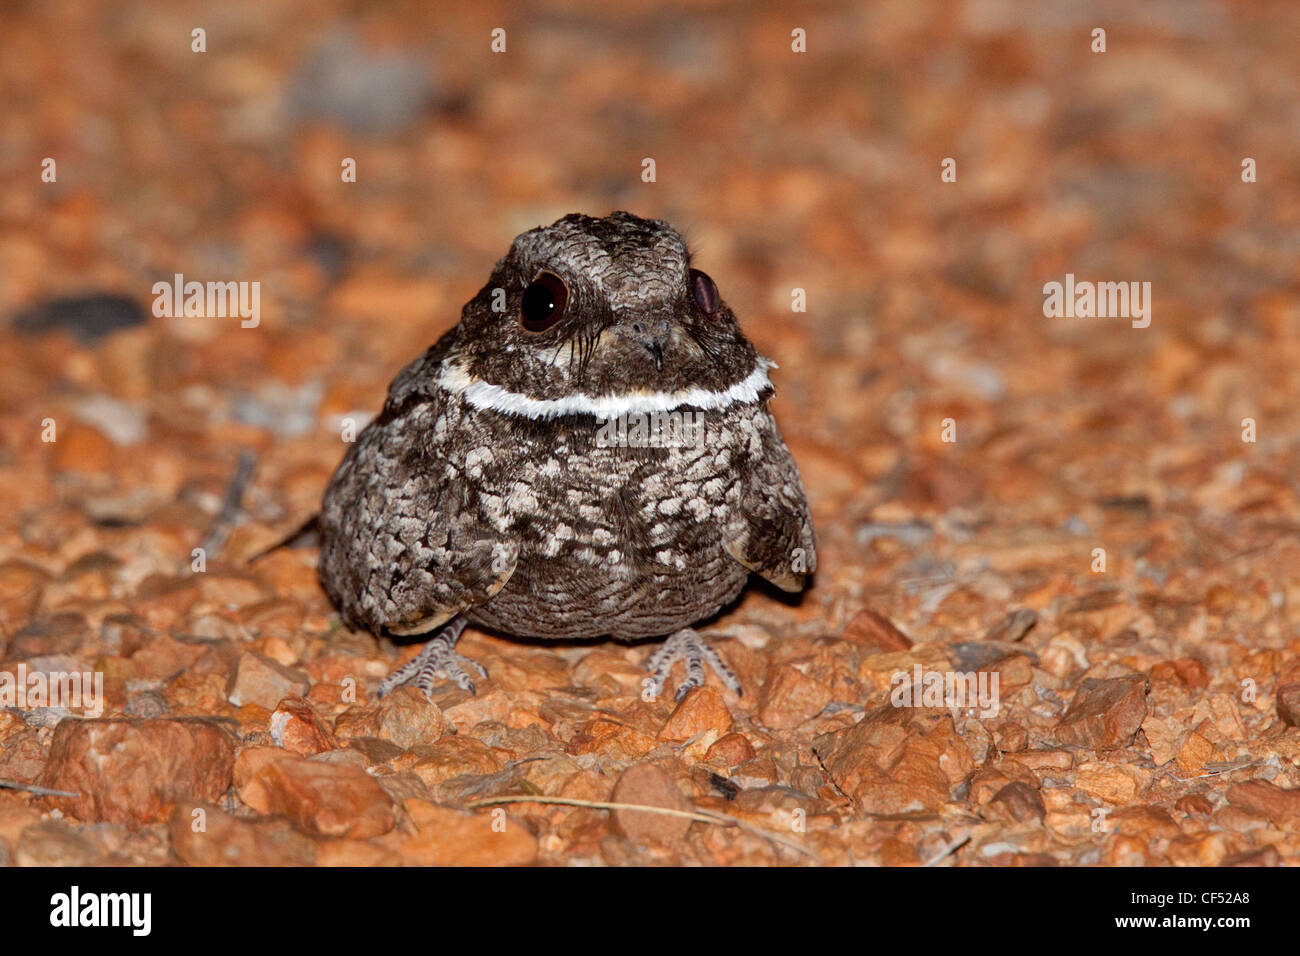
point(588, 453)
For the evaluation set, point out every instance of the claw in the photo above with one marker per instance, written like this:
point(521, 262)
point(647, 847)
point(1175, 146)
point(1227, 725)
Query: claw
point(687, 646)
point(437, 659)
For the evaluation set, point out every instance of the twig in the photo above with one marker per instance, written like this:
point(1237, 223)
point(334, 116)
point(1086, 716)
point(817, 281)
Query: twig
point(230, 505)
point(947, 851)
point(32, 788)
point(308, 526)
point(699, 816)
point(1218, 769)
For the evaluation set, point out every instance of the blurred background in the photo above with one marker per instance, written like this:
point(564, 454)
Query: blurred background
point(817, 170)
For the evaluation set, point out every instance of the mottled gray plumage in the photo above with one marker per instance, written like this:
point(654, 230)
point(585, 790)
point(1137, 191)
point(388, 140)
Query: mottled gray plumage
point(486, 488)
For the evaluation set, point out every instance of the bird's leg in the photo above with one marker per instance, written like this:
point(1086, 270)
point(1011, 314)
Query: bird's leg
point(437, 659)
point(688, 647)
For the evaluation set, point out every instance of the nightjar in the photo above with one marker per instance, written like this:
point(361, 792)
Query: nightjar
point(589, 453)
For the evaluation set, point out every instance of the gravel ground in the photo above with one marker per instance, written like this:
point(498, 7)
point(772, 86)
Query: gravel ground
point(1097, 513)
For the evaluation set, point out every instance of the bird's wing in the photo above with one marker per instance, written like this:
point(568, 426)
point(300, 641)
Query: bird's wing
point(405, 543)
point(771, 532)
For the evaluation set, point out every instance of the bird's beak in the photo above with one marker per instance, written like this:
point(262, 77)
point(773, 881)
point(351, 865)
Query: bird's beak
point(651, 333)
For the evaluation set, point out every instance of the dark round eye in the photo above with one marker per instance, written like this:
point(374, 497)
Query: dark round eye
point(705, 291)
point(544, 302)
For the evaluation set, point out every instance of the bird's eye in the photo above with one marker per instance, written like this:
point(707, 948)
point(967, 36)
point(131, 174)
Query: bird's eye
point(705, 291)
point(544, 302)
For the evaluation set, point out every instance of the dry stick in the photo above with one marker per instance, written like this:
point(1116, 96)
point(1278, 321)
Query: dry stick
point(230, 505)
point(311, 524)
point(700, 816)
point(1214, 773)
point(947, 851)
point(32, 788)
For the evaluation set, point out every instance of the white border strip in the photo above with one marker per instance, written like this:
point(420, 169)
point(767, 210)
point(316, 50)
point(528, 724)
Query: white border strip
point(480, 394)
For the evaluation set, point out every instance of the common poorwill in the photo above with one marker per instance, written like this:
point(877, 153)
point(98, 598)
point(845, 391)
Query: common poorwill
point(588, 453)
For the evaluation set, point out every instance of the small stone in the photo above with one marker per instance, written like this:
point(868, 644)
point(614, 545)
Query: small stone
point(1195, 804)
point(989, 780)
point(354, 853)
point(1206, 849)
point(1288, 704)
point(454, 757)
point(648, 785)
point(1220, 599)
point(53, 843)
point(15, 816)
point(328, 799)
point(1013, 671)
point(549, 775)
point(296, 726)
point(875, 633)
point(366, 90)
point(405, 785)
point(896, 852)
point(161, 657)
point(1105, 714)
point(1264, 856)
point(1288, 671)
point(1126, 851)
point(21, 588)
point(22, 756)
point(124, 423)
point(1164, 738)
point(1013, 627)
point(1018, 803)
point(1011, 738)
point(447, 837)
point(731, 749)
point(701, 710)
point(1105, 611)
point(1266, 798)
point(377, 752)
point(146, 704)
point(1195, 752)
point(463, 709)
point(897, 759)
point(262, 681)
point(406, 717)
point(88, 317)
point(1149, 823)
point(611, 737)
point(1070, 823)
point(759, 772)
point(1186, 670)
point(83, 449)
point(134, 771)
point(1113, 783)
point(10, 723)
point(44, 637)
point(231, 590)
point(1224, 711)
point(204, 835)
point(193, 691)
point(790, 697)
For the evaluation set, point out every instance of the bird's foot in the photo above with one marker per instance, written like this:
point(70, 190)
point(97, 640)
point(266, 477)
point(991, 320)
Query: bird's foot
point(437, 659)
point(689, 648)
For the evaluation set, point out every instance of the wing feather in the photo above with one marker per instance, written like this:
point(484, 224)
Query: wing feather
point(404, 543)
point(771, 531)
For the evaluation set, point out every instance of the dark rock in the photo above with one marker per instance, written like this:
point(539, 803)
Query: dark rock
point(88, 318)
